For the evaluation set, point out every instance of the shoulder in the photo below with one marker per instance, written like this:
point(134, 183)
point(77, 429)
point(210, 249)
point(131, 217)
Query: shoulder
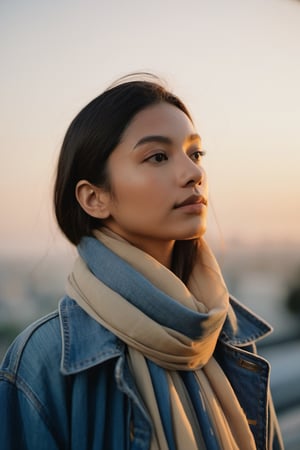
point(37, 345)
point(65, 342)
point(30, 382)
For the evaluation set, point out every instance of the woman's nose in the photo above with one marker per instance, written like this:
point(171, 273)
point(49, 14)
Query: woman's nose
point(191, 173)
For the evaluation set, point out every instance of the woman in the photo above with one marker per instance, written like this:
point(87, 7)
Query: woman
point(147, 350)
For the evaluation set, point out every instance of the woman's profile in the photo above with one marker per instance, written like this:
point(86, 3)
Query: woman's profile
point(147, 349)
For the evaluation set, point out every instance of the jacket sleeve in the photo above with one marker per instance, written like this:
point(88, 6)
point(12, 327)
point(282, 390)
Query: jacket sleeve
point(23, 425)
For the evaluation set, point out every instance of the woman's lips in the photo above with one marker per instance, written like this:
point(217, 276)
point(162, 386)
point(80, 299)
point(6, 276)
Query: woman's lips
point(192, 200)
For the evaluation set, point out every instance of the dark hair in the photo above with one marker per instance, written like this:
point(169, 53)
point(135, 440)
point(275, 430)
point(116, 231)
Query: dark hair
point(91, 138)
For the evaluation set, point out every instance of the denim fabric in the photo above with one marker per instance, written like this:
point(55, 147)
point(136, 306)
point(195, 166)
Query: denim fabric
point(65, 384)
point(56, 395)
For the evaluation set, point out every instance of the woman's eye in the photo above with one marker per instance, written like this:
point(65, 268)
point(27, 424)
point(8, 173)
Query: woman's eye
point(197, 155)
point(158, 158)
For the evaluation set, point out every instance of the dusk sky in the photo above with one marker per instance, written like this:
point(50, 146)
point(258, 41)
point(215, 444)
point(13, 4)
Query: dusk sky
point(235, 63)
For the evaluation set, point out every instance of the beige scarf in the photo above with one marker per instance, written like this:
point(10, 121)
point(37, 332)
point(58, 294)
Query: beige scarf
point(207, 294)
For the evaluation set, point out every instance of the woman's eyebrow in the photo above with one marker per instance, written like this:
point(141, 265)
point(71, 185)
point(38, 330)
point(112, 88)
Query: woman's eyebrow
point(165, 139)
point(194, 137)
point(154, 138)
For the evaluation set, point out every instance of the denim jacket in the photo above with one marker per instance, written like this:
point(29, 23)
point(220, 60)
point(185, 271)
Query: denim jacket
point(65, 384)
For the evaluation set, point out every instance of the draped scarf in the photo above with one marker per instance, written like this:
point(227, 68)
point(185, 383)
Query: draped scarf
point(171, 331)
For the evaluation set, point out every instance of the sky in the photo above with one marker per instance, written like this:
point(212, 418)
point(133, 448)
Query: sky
point(235, 63)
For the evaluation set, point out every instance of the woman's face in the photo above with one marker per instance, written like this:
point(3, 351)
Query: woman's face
point(159, 187)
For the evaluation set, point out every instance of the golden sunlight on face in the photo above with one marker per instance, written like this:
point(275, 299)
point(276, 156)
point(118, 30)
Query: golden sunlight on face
point(158, 182)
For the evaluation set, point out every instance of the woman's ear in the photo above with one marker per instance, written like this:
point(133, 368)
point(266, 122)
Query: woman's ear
point(93, 200)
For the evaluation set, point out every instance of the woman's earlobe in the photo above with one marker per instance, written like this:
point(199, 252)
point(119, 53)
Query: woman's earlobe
point(93, 200)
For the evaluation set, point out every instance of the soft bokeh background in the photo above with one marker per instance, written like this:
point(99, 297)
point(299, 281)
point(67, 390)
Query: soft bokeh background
point(236, 63)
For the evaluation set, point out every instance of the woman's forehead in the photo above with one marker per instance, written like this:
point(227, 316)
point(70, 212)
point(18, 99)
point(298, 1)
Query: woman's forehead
point(161, 119)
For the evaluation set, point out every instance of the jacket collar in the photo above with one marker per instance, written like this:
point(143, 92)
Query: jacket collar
point(86, 343)
point(250, 327)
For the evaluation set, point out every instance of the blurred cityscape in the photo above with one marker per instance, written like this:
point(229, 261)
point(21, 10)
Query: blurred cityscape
point(264, 278)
